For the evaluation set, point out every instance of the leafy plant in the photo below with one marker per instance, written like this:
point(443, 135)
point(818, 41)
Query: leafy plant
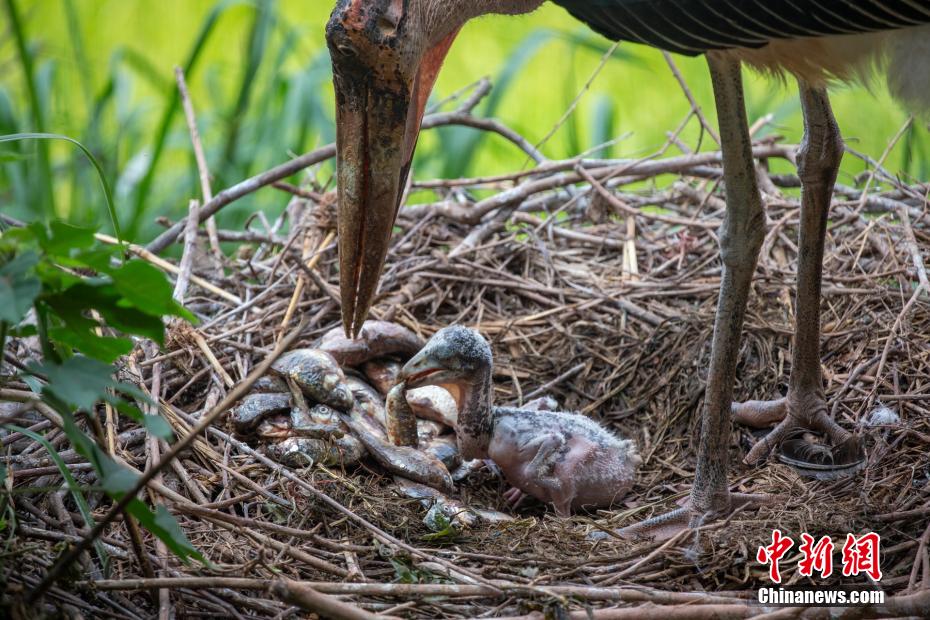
point(57, 282)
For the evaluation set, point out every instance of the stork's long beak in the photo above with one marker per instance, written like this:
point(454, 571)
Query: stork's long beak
point(373, 160)
point(378, 112)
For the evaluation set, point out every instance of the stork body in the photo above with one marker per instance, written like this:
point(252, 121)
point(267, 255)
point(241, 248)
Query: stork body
point(387, 53)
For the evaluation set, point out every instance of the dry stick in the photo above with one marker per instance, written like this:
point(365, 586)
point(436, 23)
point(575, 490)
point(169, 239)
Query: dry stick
point(278, 173)
point(208, 352)
point(187, 257)
point(584, 89)
point(881, 160)
point(164, 265)
point(568, 374)
point(163, 599)
point(311, 600)
point(239, 525)
point(921, 553)
point(300, 192)
point(301, 282)
point(201, 159)
point(74, 552)
point(487, 124)
point(611, 242)
point(500, 589)
point(657, 612)
point(622, 206)
point(687, 91)
point(316, 493)
point(922, 287)
point(244, 188)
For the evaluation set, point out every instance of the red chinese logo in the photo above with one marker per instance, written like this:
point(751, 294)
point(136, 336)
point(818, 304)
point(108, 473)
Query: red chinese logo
point(817, 557)
point(773, 553)
point(860, 555)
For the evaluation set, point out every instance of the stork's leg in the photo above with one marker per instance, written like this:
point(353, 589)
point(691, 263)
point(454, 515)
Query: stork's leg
point(741, 238)
point(805, 405)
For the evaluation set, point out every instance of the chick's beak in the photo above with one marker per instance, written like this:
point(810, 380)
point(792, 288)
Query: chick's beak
point(378, 117)
point(418, 368)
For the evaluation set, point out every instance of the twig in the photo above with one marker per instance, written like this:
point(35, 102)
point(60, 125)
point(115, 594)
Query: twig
point(187, 257)
point(201, 159)
point(316, 602)
point(74, 552)
point(164, 265)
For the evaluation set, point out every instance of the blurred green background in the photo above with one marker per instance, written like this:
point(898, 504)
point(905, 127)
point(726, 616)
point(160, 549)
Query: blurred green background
point(101, 71)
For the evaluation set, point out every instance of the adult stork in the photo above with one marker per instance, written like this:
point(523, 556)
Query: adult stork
point(387, 53)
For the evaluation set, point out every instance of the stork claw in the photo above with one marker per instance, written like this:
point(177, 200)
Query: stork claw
point(670, 524)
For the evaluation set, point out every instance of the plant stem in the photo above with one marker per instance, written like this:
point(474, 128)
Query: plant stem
point(4, 326)
point(38, 114)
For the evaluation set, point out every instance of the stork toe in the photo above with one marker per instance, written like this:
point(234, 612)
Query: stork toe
point(791, 415)
point(688, 518)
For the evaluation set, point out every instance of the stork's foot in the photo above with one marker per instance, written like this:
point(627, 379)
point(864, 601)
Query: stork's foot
point(670, 524)
point(793, 415)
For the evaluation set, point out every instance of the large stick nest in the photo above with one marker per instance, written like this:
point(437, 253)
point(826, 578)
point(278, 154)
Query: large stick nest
point(595, 282)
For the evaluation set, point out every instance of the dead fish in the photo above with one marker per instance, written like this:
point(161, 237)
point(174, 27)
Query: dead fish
point(401, 460)
point(467, 468)
point(382, 374)
point(298, 452)
point(454, 511)
point(401, 423)
point(369, 402)
point(376, 339)
point(254, 408)
point(445, 448)
point(427, 430)
point(318, 376)
point(432, 402)
point(269, 384)
point(275, 428)
point(492, 516)
point(320, 422)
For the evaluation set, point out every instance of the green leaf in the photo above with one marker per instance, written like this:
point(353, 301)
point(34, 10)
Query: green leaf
point(97, 258)
point(79, 381)
point(105, 299)
point(85, 341)
point(60, 238)
point(146, 288)
point(131, 390)
point(73, 487)
point(158, 426)
point(108, 195)
point(165, 526)
point(115, 479)
point(63, 238)
point(24, 331)
point(18, 287)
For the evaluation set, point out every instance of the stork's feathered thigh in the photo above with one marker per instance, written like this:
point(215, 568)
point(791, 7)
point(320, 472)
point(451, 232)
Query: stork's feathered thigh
point(816, 40)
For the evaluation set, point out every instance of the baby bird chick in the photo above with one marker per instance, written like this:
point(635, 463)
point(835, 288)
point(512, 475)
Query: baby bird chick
point(560, 458)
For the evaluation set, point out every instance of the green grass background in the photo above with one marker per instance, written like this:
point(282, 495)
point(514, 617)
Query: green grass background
point(101, 71)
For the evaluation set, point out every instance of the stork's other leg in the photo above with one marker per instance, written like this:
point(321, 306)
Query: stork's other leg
point(805, 405)
point(740, 240)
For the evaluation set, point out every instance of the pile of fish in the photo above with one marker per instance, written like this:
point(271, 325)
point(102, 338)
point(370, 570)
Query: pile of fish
point(343, 401)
